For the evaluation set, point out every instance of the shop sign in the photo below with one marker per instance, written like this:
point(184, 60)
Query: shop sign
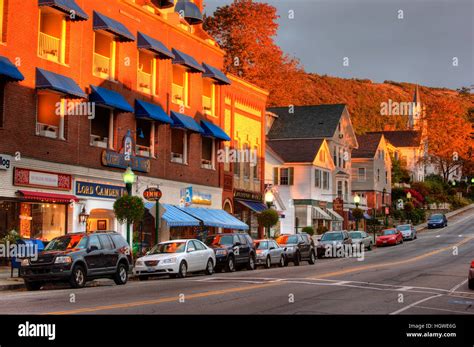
point(191, 196)
point(5, 161)
point(98, 190)
point(41, 179)
point(245, 195)
point(152, 194)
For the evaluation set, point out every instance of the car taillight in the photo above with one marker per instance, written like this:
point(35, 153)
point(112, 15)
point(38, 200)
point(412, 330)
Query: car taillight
point(472, 264)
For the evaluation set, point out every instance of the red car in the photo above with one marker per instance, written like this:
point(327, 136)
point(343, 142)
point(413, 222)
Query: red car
point(390, 237)
point(471, 276)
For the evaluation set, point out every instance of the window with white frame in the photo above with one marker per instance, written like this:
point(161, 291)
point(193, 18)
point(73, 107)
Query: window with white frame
point(50, 115)
point(256, 165)
point(147, 73)
point(339, 189)
point(283, 176)
point(104, 61)
point(361, 174)
point(207, 149)
point(326, 178)
point(208, 97)
point(317, 178)
point(145, 130)
point(346, 190)
point(378, 175)
point(52, 35)
point(180, 89)
point(179, 144)
point(102, 128)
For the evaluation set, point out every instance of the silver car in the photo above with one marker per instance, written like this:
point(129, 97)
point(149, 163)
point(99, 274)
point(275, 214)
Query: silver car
point(408, 231)
point(361, 237)
point(269, 252)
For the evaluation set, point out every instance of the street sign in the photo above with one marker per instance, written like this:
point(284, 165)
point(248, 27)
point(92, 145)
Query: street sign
point(387, 210)
point(152, 194)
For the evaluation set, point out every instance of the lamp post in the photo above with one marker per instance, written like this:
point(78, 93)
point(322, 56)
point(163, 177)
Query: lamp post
point(83, 217)
point(357, 202)
point(129, 178)
point(269, 201)
point(384, 206)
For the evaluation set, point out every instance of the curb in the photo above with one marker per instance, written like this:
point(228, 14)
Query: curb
point(424, 226)
point(12, 286)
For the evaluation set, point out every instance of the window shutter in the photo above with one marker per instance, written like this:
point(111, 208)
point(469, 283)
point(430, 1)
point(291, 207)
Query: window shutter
point(276, 179)
point(290, 176)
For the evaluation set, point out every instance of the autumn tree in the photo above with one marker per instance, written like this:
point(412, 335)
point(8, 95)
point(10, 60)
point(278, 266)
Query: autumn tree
point(449, 141)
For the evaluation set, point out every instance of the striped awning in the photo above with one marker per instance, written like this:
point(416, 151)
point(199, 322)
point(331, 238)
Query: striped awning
point(335, 215)
point(47, 197)
point(173, 216)
point(154, 46)
point(58, 83)
point(120, 31)
point(216, 218)
point(319, 213)
point(253, 205)
point(68, 7)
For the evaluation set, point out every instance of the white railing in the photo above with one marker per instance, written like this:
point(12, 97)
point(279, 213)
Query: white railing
point(177, 92)
point(49, 47)
point(177, 158)
point(98, 141)
point(102, 66)
point(207, 105)
point(145, 82)
point(47, 130)
point(206, 164)
point(143, 151)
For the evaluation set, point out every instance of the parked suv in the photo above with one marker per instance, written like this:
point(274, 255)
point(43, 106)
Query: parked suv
point(232, 250)
point(77, 258)
point(298, 247)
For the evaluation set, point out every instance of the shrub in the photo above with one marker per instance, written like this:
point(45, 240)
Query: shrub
point(357, 213)
point(129, 209)
point(267, 218)
point(457, 202)
point(321, 229)
point(309, 230)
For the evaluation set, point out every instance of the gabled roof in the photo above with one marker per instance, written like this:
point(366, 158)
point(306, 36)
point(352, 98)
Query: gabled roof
point(306, 122)
point(296, 151)
point(368, 145)
point(402, 138)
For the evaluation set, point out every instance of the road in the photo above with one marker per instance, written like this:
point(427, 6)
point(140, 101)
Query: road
point(424, 276)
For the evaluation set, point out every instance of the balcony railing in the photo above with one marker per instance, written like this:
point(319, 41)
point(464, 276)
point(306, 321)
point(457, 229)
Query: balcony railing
point(145, 82)
point(49, 47)
point(206, 164)
point(177, 158)
point(177, 92)
point(47, 130)
point(99, 141)
point(143, 151)
point(207, 105)
point(102, 66)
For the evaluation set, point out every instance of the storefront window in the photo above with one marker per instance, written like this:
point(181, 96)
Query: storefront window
point(9, 212)
point(43, 221)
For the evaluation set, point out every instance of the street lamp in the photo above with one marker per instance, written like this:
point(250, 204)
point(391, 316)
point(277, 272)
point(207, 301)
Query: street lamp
point(409, 196)
point(129, 178)
point(269, 198)
point(83, 217)
point(357, 202)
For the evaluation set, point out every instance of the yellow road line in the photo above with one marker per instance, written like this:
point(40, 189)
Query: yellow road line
point(250, 287)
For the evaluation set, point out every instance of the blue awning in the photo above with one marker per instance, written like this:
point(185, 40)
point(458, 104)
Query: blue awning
point(102, 22)
point(185, 122)
point(213, 130)
point(215, 74)
point(174, 217)
point(155, 46)
point(151, 111)
point(9, 71)
point(58, 83)
point(186, 60)
point(107, 97)
point(216, 218)
point(190, 11)
point(253, 205)
point(69, 7)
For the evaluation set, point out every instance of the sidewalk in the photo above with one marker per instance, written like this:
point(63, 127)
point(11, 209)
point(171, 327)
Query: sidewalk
point(424, 226)
point(10, 283)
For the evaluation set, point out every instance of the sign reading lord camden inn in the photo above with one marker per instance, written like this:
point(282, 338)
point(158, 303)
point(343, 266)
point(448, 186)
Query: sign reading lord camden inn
point(99, 190)
point(41, 179)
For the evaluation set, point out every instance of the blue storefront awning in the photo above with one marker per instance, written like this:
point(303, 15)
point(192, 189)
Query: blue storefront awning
point(102, 22)
point(9, 71)
point(69, 7)
point(186, 60)
point(212, 130)
point(185, 122)
point(107, 97)
point(151, 111)
point(256, 206)
point(216, 218)
point(173, 216)
point(58, 83)
point(153, 45)
point(215, 74)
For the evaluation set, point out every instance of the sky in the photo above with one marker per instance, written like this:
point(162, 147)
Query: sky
point(422, 47)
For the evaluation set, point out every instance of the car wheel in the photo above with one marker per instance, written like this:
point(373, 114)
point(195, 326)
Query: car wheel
point(471, 283)
point(369, 247)
point(121, 276)
point(209, 267)
point(31, 285)
point(78, 277)
point(230, 266)
point(312, 258)
point(251, 263)
point(282, 262)
point(183, 269)
point(268, 263)
point(297, 259)
point(143, 278)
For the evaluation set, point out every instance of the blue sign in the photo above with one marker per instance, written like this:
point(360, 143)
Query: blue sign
point(99, 190)
point(118, 160)
point(190, 196)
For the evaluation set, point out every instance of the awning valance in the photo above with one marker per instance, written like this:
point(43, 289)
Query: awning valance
point(216, 218)
point(153, 45)
point(212, 130)
point(120, 31)
point(151, 111)
point(319, 213)
point(47, 197)
point(189, 10)
point(174, 217)
point(9, 71)
point(109, 98)
point(187, 61)
point(215, 74)
point(69, 7)
point(58, 83)
point(335, 215)
point(185, 122)
point(253, 205)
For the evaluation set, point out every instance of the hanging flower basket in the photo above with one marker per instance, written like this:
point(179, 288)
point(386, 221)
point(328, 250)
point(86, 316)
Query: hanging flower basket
point(129, 209)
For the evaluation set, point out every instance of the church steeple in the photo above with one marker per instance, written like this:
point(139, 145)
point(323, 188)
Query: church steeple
point(414, 119)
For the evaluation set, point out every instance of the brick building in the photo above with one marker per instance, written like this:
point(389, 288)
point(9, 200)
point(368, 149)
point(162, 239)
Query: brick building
point(106, 85)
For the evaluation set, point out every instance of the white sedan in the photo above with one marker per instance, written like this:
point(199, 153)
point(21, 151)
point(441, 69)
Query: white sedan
point(176, 258)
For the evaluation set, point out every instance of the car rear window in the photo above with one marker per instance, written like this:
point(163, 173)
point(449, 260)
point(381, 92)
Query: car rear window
point(119, 241)
point(105, 241)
